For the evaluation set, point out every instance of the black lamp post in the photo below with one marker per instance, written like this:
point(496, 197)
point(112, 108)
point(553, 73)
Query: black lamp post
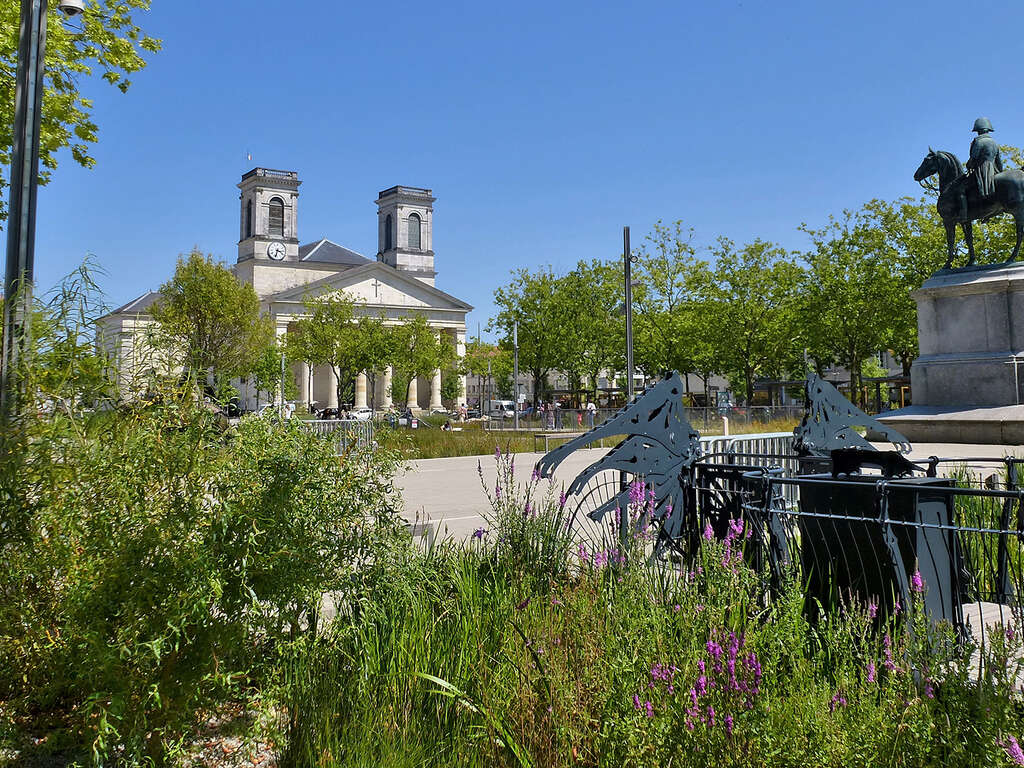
point(21, 222)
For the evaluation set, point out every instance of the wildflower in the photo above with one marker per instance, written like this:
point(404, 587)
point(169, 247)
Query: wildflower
point(728, 724)
point(708, 532)
point(636, 701)
point(735, 528)
point(497, 491)
point(887, 643)
point(872, 610)
point(838, 700)
point(711, 716)
point(555, 601)
point(1013, 750)
point(497, 451)
point(929, 689)
point(582, 550)
point(871, 671)
point(527, 509)
point(636, 492)
point(677, 608)
point(535, 475)
point(521, 606)
point(714, 650)
point(561, 500)
point(916, 582)
point(650, 708)
point(479, 533)
point(897, 608)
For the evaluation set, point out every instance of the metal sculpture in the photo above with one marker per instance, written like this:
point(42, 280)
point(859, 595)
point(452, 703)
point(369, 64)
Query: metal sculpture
point(660, 445)
point(982, 191)
point(829, 421)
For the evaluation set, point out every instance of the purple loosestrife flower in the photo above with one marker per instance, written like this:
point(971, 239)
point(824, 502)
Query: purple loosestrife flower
point(871, 671)
point(582, 551)
point(497, 491)
point(1013, 750)
point(929, 689)
point(535, 476)
point(479, 533)
point(636, 702)
point(887, 643)
point(728, 724)
point(872, 610)
point(527, 509)
point(838, 700)
point(636, 492)
point(916, 582)
point(735, 528)
point(561, 500)
point(650, 708)
point(497, 451)
point(709, 533)
point(677, 608)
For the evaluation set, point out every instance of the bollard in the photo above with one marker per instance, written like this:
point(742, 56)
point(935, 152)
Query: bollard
point(725, 426)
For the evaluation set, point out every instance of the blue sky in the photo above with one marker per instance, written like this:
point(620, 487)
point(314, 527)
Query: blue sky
point(542, 127)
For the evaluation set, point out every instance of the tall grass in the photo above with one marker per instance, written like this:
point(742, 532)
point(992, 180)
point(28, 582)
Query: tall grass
point(483, 655)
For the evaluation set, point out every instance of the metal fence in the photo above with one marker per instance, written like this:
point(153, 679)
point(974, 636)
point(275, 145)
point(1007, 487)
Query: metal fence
point(345, 432)
point(703, 419)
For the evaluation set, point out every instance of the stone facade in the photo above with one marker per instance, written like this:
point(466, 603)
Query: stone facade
point(398, 285)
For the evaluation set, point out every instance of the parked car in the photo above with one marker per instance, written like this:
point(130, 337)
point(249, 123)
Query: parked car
point(361, 414)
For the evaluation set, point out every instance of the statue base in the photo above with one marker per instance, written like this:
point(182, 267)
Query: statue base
point(968, 383)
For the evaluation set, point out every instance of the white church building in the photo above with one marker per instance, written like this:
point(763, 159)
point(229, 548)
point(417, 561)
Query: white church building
point(396, 285)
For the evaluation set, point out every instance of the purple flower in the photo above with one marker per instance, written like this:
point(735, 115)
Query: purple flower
point(728, 724)
point(735, 528)
point(650, 708)
point(929, 689)
point(708, 532)
point(714, 650)
point(838, 700)
point(677, 608)
point(497, 491)
point(636, 492)
point(582, 550)
point(1013, 750)
point(872, 610)
point(521, 606)
point(916, 582)
point(527, 509)
point(535, 476)
point(479, 533)
point(887, 643)
point(871, 671)
point(636, 702)
point(561, 500)
point(497, 451)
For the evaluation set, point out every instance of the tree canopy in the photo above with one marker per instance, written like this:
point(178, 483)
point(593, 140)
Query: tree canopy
point(106, 42)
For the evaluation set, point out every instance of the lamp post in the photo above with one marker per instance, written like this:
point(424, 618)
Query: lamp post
point(21, 230)
point(627, 260)
point(515, 371)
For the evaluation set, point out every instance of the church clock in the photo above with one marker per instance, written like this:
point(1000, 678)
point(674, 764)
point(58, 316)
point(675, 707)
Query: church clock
point(276, 251)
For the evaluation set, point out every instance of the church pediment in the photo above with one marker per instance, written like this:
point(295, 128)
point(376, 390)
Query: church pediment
point(376, 284)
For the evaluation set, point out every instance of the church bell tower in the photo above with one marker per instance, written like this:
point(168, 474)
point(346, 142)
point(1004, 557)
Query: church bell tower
point(405, 225)
point(268, 228)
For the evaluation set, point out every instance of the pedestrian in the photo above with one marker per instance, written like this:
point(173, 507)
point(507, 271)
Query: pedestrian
point(591, 413)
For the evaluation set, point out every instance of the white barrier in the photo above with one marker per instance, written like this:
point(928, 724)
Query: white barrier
point(345, 431)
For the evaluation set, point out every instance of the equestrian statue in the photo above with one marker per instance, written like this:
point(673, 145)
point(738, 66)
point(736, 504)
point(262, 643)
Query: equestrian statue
point(983, 191)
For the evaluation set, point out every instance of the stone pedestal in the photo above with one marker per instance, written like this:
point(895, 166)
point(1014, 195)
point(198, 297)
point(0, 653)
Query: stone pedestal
point(968, 383)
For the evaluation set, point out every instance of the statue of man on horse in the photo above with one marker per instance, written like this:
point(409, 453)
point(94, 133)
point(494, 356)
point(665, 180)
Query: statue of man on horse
point(983, 191)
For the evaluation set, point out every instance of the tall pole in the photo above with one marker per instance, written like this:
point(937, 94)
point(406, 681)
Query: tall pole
point(515, 371)
point(28, 100)
point(628, 263)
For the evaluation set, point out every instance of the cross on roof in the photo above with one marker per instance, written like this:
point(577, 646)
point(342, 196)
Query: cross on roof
point(376, 287)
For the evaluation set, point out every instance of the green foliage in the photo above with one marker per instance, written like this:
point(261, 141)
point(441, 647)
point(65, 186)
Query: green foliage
point(472, 656)
point(418, 351)
point(152, 564)
point(451, 386)
point(105, 41)
point(210, 322)
point(328, 335)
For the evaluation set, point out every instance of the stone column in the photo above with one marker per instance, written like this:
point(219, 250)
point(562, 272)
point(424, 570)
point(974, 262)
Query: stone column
point(435, 391)
point(360, 401)
point(303, 376)
point(281, 331)
point(412, 403)
point(460, 350)
point(385, 393)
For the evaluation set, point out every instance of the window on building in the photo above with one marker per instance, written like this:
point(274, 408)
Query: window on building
point(388, 227)
point(276, 220)
point(414, 231)
point(248, 219)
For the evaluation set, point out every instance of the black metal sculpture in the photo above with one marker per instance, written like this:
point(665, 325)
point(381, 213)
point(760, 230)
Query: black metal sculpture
point(981, 192)
point(659, 446)
point(829, 421)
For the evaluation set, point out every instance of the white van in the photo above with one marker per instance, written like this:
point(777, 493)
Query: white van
point(501, 409)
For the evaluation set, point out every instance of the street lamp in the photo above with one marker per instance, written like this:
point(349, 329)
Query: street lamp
point(628, 259)
point(19, 273)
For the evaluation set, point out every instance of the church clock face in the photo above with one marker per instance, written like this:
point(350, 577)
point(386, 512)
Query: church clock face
point(276, 251)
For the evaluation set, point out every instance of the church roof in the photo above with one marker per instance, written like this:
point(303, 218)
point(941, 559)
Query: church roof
point(323, 250)
point(138, 305)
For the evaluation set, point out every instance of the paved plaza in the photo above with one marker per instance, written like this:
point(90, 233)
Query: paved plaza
point(444, 497)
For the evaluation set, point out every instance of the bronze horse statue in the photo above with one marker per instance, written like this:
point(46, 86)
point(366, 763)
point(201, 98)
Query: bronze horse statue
point(1008, 198)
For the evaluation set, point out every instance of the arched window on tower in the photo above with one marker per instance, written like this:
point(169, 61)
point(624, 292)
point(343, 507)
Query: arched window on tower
point(276, 219)
point(248, 219)
point(389, 225)
point(414, 231)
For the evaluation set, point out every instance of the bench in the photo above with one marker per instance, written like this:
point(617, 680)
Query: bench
point(547, 437)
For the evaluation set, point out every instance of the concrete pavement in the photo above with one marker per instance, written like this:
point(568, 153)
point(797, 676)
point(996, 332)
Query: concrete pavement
point(444, 496)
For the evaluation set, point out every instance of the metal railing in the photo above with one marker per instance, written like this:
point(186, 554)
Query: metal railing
point(702, 419)
point(345, 432)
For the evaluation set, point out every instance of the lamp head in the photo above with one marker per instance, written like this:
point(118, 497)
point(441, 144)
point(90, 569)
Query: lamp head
point(71, 7)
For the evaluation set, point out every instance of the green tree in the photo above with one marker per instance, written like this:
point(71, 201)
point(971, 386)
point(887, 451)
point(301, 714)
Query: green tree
point(376, 350)
point(419, 351)
point(850, 297)
point(209, 322)
point(106, 41)
point(586, 303)
point(529, 301)
point(670, 331)
point(753, 302)
point(329, 335)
